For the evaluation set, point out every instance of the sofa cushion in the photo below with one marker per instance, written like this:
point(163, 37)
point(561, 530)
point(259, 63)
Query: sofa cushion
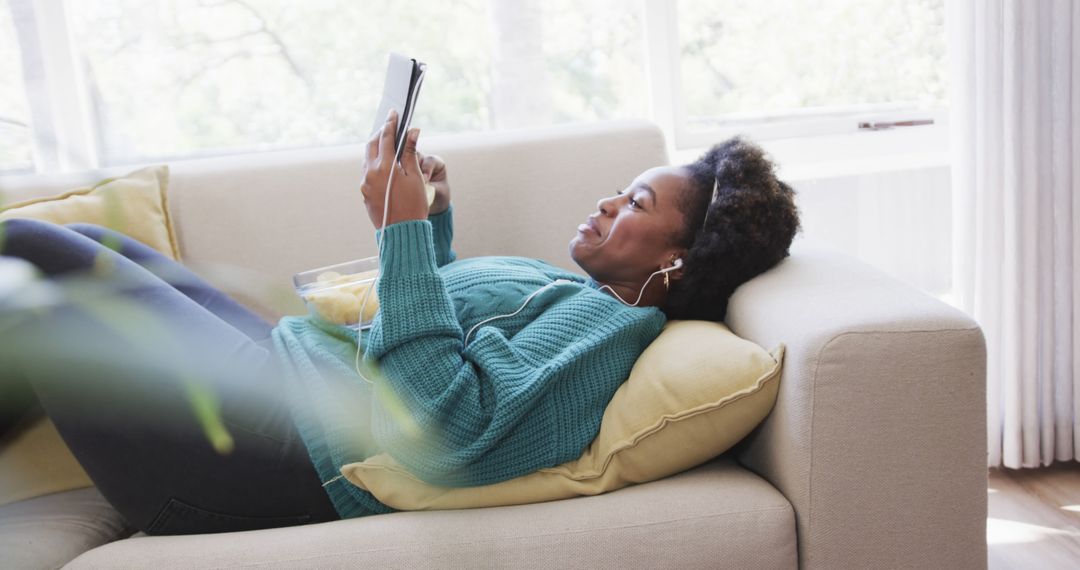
point(695, 392)
point(34, 461)
point(37, 461)
point(134, 205)
point(718, 515)
point(248, 223)
point(49, 531)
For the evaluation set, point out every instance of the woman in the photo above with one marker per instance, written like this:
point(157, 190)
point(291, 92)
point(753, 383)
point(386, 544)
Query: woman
point(477, 370)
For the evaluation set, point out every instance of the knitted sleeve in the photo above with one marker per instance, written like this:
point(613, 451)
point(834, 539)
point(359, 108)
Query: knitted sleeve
point(500, 407)
point(442, 233)
point(442, 229)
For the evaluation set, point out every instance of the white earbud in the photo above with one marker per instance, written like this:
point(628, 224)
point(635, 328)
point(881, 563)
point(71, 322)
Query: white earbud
point(677, 263)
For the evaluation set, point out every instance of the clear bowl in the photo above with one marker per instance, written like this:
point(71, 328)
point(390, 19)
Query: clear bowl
point(336, 293)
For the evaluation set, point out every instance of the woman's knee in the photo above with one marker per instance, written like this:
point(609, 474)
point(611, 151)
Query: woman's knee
point(125, 245)
point(19, 227)
point(53, 248)
point(20, 233)
point(92, 231)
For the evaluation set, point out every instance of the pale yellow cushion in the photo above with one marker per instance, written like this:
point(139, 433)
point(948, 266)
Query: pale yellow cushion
point(134, 205)
point(35, 461)
point(696, 391)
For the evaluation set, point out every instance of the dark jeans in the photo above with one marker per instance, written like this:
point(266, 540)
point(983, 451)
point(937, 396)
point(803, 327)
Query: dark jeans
point(142, 365)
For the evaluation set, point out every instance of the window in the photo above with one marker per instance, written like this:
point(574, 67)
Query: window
point(188, 77)
point(779, 68)
point(16, 146)
point(183, 77)
point(111, 82)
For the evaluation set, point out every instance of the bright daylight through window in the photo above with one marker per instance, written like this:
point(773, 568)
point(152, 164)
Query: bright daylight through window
point(175, 78)
point(16, 148)
point(746, 61)
point(277, 73)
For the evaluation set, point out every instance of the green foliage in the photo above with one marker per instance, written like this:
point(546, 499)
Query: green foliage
point(3, 226)
point(149, 343)
point(272, 73)
point(190, 77)
point(187, 77)
point(146, 339)
point(208, 413)
point(776, 55)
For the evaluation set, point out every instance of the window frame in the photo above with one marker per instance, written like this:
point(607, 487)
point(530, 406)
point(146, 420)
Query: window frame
point(63, 128)
point(667, 104)
point(66, 131)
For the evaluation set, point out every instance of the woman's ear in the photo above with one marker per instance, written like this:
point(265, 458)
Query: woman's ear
point(676, 260)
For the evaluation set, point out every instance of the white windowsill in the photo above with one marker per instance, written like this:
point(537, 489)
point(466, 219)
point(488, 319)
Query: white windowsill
point(850, 154)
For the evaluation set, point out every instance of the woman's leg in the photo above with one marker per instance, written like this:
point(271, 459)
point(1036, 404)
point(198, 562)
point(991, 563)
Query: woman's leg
point(182, 279)
point(128, 373)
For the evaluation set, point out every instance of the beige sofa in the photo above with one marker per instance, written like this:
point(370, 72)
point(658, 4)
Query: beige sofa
point(873, 457)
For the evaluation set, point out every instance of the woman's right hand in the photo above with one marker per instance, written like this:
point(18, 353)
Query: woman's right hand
point(434, 169)
point(409, 200)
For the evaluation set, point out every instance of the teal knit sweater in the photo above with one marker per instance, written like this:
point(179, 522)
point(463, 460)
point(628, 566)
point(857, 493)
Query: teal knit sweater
point(525, 392)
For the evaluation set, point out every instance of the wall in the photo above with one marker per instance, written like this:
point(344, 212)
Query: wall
point(897, 221)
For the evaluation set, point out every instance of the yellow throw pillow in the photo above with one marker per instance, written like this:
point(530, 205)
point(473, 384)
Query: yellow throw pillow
point(696, 391)
point(35, 461)
point(134, 205)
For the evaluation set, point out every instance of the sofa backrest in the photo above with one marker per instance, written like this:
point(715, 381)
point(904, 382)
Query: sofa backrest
point(249, 222)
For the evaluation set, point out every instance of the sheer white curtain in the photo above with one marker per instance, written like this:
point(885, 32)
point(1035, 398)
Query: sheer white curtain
point(1015, 73)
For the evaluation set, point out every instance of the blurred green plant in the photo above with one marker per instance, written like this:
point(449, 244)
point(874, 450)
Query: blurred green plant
point(3, 228)
point(116, 221)
point(145, 331)
point(390, 400)
point(103, 301)
point(101, 296)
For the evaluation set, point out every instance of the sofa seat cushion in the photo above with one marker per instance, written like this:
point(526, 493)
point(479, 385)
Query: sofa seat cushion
point(35, 461)
point(50, 530)
point(716, 515)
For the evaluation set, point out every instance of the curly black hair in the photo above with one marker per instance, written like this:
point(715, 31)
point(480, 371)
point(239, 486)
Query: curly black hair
point(749, 229)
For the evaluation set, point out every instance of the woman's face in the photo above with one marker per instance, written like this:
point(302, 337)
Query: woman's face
point(633, 232)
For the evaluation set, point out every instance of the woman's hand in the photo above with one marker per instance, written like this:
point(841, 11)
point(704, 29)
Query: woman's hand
point(434, 170)
point(408, 200)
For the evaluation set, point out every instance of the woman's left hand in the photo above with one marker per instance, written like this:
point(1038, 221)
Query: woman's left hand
point(434, 169)
point(408, 198)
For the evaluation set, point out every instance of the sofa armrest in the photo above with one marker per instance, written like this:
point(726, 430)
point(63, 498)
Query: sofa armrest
point(878, 436)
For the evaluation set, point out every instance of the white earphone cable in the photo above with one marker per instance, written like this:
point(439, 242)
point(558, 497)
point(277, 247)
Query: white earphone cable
point(527, 299)
point(385, 217)
point(641, 292)
point(678, 264)
point(378, 276)
point(382, 240)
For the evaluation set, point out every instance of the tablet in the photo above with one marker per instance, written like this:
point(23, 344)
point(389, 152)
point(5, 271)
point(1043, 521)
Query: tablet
point(404, 76)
